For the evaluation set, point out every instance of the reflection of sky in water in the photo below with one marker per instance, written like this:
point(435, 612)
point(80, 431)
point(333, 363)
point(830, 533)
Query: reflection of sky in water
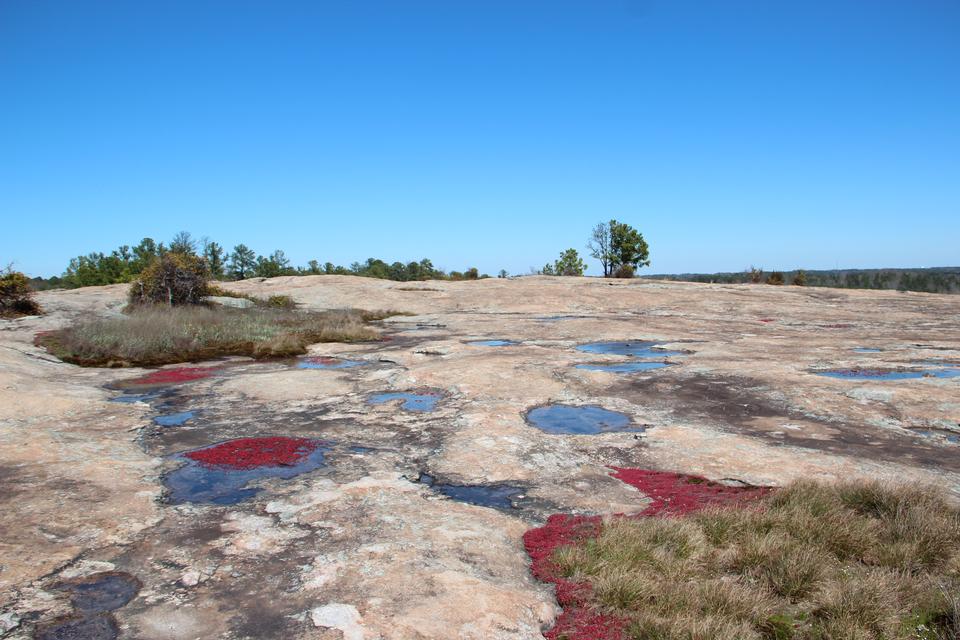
point(492, 343)
point(882, 374)
point(328, 363)
point(411, 401)
point(633, 349)
point(562, 418)
point(624, 367)
point(174, 419)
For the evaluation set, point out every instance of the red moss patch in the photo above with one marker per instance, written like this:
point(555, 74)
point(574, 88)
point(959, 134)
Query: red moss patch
point(175, 375)
point(680, 494)
point(673, 494)
point(767, 320)
point(252, 453)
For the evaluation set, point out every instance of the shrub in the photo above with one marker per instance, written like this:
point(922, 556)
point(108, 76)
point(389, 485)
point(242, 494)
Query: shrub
point(800, 278)
point(16, 298)
point(172, 279)
point(280, 302)
point(755, 274)
point(775, 278)
point(624, 271)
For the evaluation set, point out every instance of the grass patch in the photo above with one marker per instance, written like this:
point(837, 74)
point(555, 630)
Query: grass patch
point(808, 562)
point(155, 336)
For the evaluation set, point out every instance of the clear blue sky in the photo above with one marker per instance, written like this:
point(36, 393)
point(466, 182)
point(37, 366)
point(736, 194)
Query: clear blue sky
point(488, 133)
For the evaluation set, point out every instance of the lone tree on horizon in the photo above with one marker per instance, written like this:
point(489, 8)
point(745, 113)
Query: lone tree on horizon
point(619, 247)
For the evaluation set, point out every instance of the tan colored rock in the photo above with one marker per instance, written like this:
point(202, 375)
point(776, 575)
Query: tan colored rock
point(358, 548)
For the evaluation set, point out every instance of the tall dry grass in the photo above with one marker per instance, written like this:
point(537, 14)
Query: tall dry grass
point(811, 562)
point(165, 335)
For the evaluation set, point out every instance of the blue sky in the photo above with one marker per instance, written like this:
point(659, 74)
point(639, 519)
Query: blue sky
point(488, 133)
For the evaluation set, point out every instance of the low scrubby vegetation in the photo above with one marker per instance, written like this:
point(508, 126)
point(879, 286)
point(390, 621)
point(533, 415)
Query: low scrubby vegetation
point(162, 335)
point(808, 562)
point(16, 297)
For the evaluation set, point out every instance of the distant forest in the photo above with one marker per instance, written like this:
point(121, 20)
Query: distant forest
point(125, 263)
point(932, 280)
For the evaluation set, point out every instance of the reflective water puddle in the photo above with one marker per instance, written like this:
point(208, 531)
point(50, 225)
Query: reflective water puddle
point(495, 496)
point(174, 419)
point(867, 350)
point(624, 367)
point(582, 420)
point(219, 474)
point(492, 343)
point(314, 362)
point(130, 398)
point(888, 374)
point(420, 402)
point(632, 349)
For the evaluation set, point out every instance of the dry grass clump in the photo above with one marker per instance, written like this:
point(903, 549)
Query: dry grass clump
point(811, 562)
point(154, 336)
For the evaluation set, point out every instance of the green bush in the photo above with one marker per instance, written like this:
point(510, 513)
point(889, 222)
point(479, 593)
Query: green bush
point(280, 302)
point(775, 278)
point(800, 278)
point(624, 271)
point(16, 298)
point(172, 279)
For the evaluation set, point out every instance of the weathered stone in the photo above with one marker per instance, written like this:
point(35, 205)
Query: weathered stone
point(358, 546)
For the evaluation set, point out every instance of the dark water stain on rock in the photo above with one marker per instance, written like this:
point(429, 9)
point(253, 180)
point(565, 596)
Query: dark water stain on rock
point(419, 402)
point(867, 350)
point(740, 404)
point(633, 349)
point(100, 627)
point(101, 592)
point(492, 343)
point(582, 420)
point(221, 473)
point(315, 362)
point(495, 496)
point(624, 367)
point(174, 419)
point(93, 598)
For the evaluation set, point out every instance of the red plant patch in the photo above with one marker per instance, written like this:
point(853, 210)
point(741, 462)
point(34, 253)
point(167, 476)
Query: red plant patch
point(673, 494)
point(175, 375)
point(252, 453)
point(680, 494)
point(768, 320)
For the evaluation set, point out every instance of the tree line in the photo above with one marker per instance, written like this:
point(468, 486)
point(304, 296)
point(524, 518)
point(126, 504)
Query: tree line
point(619, 247)
point(126, 263)
point(932, 280)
